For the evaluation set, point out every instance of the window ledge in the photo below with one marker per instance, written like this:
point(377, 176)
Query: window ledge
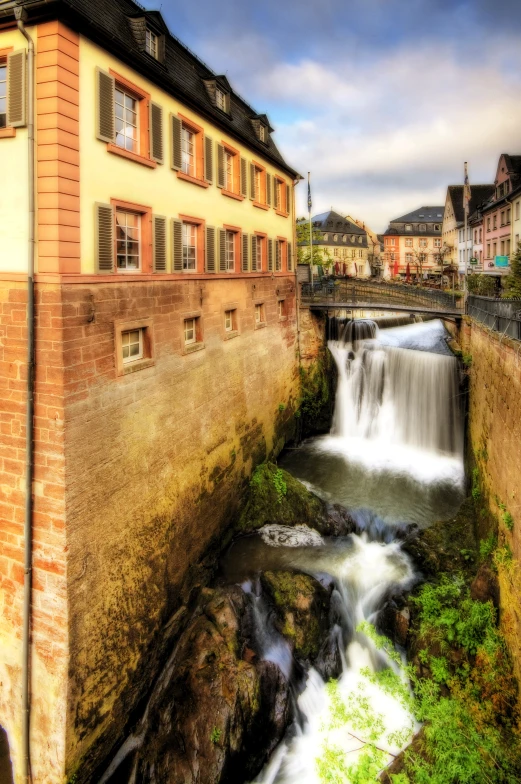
point(232, 195)
point(7, 133)
point(193, 347)
point(139, 364)
point(131, 156)
point(281, 213)
point(230, 335)
point(261, 324)
point(260, 206)
point(195, 180)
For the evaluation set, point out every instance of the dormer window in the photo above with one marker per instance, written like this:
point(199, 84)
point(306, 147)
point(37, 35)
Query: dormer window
point(263, 133)
point(220, 99)
point(218, 90)
point(422, 226)
point(151, 43)
point(408, 227)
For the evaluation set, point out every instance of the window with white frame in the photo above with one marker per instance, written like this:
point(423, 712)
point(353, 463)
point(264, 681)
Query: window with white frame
point(360, 253)
point(188, 151)
point(151, 43)
point(228, 170)
point(3, 94)
point(128, 240)
point(126, 108)
point(437, 242)
point(230, 320)
point(230, 250)
point(132, 345)
point(335, 237)
point(260, 252)
point(408, 257)
point(278, 255)
point(408, 242)
point(189, 247)
point(408, 227)
point(423, 242)
point(259, 314)
point(392, 240)
point(263, 133)
point(220, 99)
point(257, 184)
point(437, 227)
point(190, 331)
point(281, 305)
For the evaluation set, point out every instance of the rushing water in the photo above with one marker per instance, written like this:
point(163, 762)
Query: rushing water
point(393, 457)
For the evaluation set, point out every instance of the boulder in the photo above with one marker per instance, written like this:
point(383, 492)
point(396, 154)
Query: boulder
point(302, 609)
point(485, 586)
point(221, 712)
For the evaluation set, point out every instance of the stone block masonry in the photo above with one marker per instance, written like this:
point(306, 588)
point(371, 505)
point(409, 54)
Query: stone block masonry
point(137, 475)
point(494, 429)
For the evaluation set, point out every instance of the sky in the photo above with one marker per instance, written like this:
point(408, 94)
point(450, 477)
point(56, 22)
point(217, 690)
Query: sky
point(381, 100)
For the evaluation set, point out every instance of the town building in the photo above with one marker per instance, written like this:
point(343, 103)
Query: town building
point(374, 249)
point(165, 332)
point(499, 213)
point(414, 240)
point(453, 228)
point(345, 243)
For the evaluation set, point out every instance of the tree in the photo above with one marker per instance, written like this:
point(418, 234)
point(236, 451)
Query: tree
point(441, 253)
point(484, 285)
point(420, 254)
point(512, 283)
point(321, 254)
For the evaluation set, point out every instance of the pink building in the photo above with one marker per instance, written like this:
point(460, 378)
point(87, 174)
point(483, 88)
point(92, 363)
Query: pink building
point(497, 216)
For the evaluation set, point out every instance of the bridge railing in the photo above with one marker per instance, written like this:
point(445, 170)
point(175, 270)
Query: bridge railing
point(366, 293)
point(502, 315)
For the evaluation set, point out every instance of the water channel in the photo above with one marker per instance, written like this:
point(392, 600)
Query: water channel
point(394, 457)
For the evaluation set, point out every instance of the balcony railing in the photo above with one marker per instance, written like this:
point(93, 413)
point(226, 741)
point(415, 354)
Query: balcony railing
point(354, 292)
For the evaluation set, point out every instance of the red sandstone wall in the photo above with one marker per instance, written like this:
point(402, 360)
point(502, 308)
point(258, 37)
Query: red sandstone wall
point(49, 630)
point(155, 463)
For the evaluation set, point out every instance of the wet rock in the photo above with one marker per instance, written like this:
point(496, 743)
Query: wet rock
point(274, 496)
point(485, 586)
point(394, 619)
point(329, 661)
point(302, 609)
point(221, 711)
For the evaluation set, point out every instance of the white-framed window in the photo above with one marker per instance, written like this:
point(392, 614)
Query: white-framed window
point(132, 345)
point(360, 253)
point(437, 242)
point(353, 239)
point(126, 108)
point(408, 257)
point(335, 237)
point(229, 321)
point(189, 246)
point(230, 250)
point(278, 255)
point(151, 43)
point(437, 227)
point(190, 329)
point(259, 314)
point(281, 306)
point(344, 238)
point(228, 169)
point(263, 133)
point(408, 242)
point(220, 99)
point(392, 241)
point(128, 240)
point(188, 151)
point(408, 227)
point(325, 236)
point(257, 184)
point(3, 94)
point(423, 242)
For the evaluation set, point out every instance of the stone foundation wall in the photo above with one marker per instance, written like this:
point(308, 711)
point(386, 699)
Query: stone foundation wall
point(49, 613)
point(494, 430)
point(155, 465)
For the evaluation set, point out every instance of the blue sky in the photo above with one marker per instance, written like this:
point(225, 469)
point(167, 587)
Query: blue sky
point(382, 100)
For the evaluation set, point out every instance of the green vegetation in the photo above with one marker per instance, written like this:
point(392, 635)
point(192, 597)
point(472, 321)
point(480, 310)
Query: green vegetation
point(282, 406)
point(280, 485)
point(315, 399)
point(512, 283)
point(215, 735)
point(476, 490)
point(321, 254)
point(487, 546)
point(481, 284)
point(467, 360)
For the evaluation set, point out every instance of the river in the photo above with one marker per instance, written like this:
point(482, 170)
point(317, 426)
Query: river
point(394, 457)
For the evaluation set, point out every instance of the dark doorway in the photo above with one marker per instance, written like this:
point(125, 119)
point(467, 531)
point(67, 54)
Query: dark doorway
point(6, 769)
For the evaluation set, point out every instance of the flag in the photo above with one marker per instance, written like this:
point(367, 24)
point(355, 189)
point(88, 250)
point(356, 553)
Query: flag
point(309, 195)
point(466, 191)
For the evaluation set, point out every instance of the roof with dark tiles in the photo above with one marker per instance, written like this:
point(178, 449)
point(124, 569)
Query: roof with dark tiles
point(182, 73)
point(333, 224)
point(479, 195)
point(429, 217)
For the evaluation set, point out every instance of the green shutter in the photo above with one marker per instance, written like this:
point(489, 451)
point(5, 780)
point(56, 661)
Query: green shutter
point(222, 250)
point(105, 126)
point(177, 158)
point(159, 242)
point(270, 255)
point(156, 132)
point(244, 178)
point(290, 257)
point(245, 254)
point(17, 89)
point(252, 181)
point(210, 249)
point(221, 182)
point(253, 253)
point(208, 159)
point(104, 237)
point(177, 245)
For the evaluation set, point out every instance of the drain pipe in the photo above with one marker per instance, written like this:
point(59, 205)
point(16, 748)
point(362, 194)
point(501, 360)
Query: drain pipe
point(20, 15)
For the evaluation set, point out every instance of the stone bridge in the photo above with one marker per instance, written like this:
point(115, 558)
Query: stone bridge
point(366, 295)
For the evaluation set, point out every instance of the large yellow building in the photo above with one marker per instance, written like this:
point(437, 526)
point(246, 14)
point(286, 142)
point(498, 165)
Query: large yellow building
point(165, 331)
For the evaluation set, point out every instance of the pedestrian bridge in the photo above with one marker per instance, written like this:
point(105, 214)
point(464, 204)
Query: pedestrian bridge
point(368, 295)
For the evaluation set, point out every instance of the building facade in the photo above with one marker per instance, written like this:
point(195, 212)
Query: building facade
point(345, 242)
point(453, 229)
point(499, 237)
point(165, 326)
point(414, 241)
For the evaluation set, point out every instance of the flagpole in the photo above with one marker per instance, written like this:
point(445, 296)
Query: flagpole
point(466, 206)
point(310, 234)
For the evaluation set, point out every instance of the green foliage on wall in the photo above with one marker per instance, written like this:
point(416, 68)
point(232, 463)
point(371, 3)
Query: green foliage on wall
point(512, 283)
point(481, 284)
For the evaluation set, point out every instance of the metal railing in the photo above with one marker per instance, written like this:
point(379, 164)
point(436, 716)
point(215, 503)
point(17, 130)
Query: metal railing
point(502, 315)
point(355, 292)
